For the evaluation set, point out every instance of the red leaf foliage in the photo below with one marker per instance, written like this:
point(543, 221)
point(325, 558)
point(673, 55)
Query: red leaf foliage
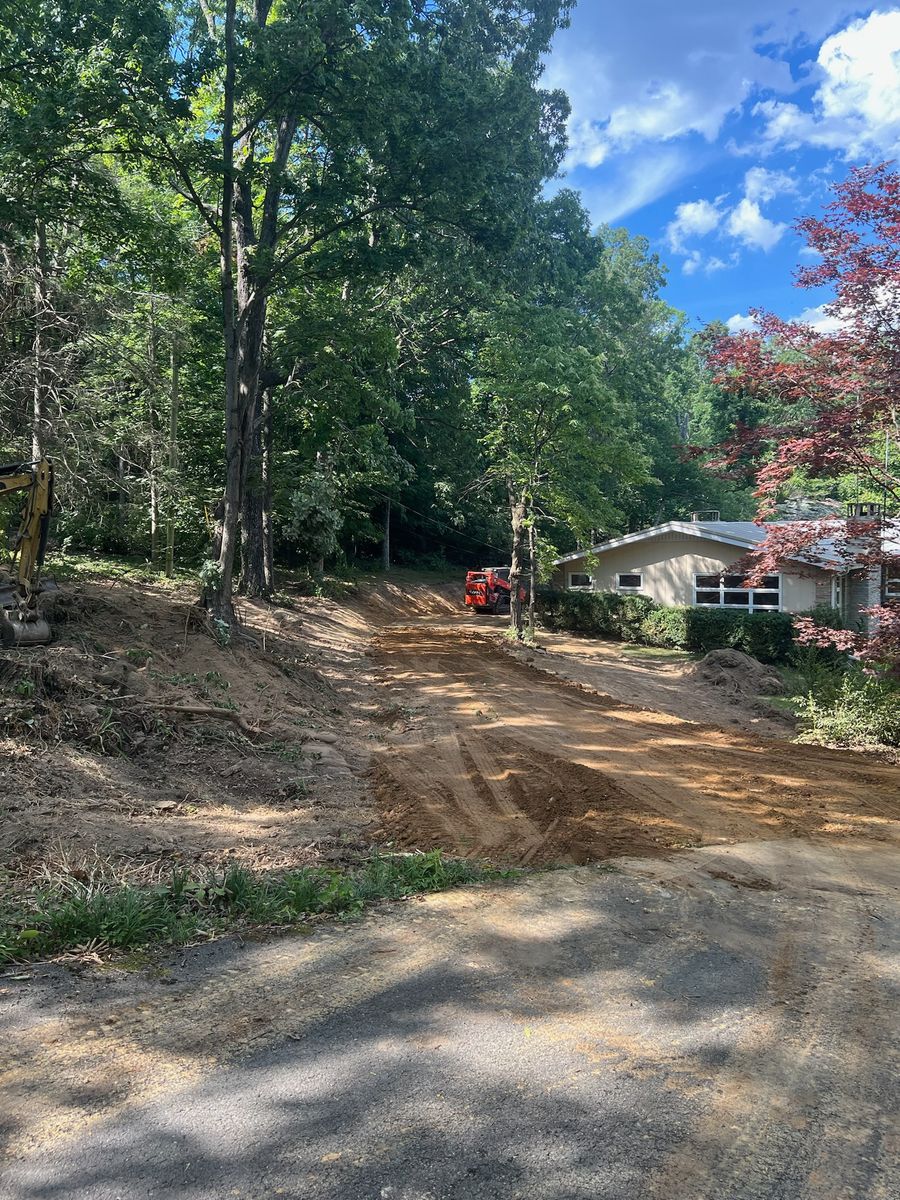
point(833, 392)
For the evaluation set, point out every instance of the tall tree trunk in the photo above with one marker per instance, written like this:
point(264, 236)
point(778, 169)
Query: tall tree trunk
point(39, 398)
point(532, 578)
point(121, 501)
point(154, 515)
point(174, 402)
point(268, 531)
point(245, 299)
point(153, 431)
point(218, 592)
point(386, 540)
point(518, 509)
point(253, 541)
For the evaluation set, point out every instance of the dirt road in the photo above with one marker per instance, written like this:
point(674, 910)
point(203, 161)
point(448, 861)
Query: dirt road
point(706, 1012)
point(490, 757)
point(719, 1026)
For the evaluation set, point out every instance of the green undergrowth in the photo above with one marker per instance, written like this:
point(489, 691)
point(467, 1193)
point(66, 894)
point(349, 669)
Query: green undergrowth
point(660, 653)
point(70, 914)
point(132, 569)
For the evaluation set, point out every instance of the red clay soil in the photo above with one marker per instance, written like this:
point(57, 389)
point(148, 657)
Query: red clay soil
point(490, 757)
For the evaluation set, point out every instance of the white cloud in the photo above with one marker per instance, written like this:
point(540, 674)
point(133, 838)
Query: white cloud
point(692, 263)
point(696, 262)
point(669, 74)
point(744, 221)
point(762, 185)
point(856, 107)
point(719, 264)
point(740, 323)
point(818, 318)
point(694, 218)
point(640, 180)
point(821, 321)
point(747, 223)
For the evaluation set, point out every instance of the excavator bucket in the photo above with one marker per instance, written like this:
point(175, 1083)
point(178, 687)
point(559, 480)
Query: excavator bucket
point(33, 632)
point(21, 624)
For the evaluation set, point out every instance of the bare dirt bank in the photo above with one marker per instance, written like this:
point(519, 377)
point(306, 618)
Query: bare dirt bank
point(135, 742)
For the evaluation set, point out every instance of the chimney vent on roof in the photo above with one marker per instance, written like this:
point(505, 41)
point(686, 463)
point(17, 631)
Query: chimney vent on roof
point(864, 512)
point(705, 514)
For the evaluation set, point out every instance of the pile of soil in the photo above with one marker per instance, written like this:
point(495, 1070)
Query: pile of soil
point(739, 674)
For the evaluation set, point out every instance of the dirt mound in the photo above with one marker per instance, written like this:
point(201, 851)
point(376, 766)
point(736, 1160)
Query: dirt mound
point(482, 796)
point(739, 674)
point(402, 594)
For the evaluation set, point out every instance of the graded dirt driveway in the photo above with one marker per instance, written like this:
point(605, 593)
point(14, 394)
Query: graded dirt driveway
point(707, 1011)
point(495, 758)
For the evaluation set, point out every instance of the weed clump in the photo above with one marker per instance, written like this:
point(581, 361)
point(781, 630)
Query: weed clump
point(71, 914)
point(857, 710)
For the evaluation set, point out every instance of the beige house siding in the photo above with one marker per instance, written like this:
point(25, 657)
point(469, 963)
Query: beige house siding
point(668, 563)
point(864, 590)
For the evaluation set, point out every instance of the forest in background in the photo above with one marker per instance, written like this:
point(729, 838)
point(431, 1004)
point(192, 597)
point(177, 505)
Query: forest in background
point(281, 280)
point(299, 255)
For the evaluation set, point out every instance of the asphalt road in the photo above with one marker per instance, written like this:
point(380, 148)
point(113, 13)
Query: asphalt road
point(719, 1026)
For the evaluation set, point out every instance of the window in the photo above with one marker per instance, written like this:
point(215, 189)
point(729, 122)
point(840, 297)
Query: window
point(629, 581)
point(892, 583)
point(579, 581)
point(728, 591)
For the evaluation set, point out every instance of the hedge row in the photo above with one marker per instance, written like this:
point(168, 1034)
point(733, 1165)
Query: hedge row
point(767, 636)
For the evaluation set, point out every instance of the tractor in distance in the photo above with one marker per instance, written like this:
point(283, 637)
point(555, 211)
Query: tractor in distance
point(488, 590)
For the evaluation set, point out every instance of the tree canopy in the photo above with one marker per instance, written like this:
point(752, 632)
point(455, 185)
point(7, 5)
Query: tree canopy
point(281, 280)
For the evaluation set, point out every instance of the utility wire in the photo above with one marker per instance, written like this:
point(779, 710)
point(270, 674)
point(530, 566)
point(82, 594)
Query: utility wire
point(441, 524)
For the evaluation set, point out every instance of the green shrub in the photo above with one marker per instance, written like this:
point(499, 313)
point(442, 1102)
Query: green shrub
point(819, 669)
point(632, 613)
point(602, 614)
point(767, 636)
point(864, 711)
point(669, 627)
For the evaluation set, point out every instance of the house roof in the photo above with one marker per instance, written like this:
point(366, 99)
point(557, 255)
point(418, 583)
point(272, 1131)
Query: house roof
point(743, 534)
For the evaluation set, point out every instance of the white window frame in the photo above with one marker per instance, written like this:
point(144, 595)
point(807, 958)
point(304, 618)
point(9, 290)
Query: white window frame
point(629, 587)
point(748, 607)
point(580, 587)
point(892, 583)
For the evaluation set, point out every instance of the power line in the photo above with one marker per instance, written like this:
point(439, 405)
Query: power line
point(441, 524)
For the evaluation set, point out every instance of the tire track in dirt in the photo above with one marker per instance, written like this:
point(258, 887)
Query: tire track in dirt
point(505, 762)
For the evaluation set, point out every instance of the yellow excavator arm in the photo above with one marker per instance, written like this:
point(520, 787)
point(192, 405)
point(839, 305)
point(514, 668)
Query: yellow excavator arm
point(21, 621)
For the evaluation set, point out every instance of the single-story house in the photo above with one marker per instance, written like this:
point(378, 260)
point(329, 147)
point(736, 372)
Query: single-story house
point(686, 562)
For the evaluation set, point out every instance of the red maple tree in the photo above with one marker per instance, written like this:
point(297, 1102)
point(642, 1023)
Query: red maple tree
point(835, 395)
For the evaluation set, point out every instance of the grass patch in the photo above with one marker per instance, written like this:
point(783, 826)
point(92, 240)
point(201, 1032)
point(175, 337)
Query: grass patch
point(70, 914)
point(659, 652)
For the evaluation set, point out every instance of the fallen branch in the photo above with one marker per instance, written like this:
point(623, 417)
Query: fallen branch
point(207, 710)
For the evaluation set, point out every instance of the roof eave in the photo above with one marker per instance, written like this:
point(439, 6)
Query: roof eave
point(669, 527)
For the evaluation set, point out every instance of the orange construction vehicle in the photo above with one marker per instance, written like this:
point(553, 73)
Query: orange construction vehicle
point(488, 591)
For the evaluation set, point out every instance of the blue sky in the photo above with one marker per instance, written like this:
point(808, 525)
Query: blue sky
point(710, 126)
